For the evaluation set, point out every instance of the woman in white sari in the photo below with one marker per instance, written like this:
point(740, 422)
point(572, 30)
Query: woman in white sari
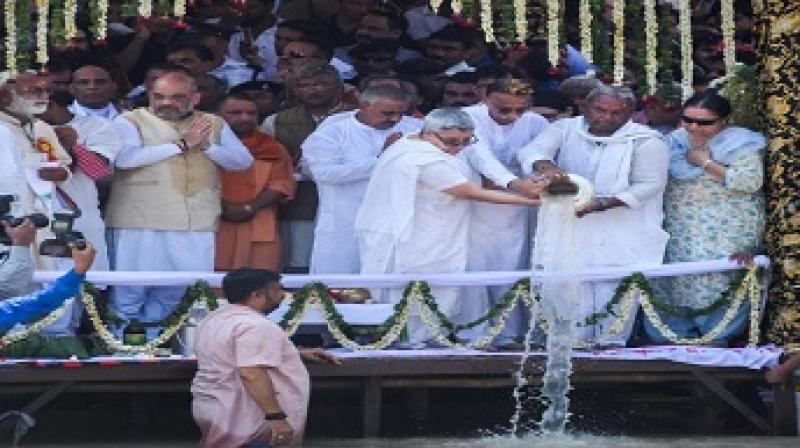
point(415, 215)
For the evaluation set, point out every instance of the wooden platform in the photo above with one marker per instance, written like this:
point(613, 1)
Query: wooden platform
point(371, 375)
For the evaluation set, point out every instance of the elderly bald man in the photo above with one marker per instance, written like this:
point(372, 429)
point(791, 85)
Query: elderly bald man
point(165, 196)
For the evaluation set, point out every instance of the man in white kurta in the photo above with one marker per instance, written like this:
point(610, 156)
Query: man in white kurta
point(93, 90)
point(339, 157)
point(165, 199)
point(627, 164)
point(499, 233)
point(93, 143)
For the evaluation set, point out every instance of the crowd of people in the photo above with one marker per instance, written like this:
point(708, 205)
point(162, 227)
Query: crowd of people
point(269, 135)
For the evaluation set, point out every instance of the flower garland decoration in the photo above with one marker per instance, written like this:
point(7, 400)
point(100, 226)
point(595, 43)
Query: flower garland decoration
point(42, 13)
point(728, 38)
point(457, 6)
point(11, 37)
point(145, 8)
point(200, 291)
point(36, 327)
point(521, 20)
point(435, 5)
point(70, 13)
point(585, 18)
point(57, 32)
point(687, 63)
point(98, 16)
point(486, 19)
point(553, 31)
point(651, 46)
point(619, 41)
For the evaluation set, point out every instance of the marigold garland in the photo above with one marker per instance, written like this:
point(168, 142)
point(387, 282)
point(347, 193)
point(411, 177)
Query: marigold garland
point(651, 46)
point(553, 31)
point(619, 41)
point(585, 18)
point(728, 38)
point(70, 14)
point(687, 62)
point(521, 20)
point(42, 14)
point(11, 37)
point(486, 19)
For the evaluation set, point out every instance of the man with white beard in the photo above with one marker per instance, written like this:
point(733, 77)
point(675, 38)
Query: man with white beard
point(34, 162)
point(499, 233)
point(339, 156)
point(627, 164)
point(165, 196)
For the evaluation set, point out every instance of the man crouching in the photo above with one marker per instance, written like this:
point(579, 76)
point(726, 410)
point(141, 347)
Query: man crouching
point(251, 387)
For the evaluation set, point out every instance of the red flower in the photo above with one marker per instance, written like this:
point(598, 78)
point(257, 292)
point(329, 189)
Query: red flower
point(100, 43)
point(180, 25)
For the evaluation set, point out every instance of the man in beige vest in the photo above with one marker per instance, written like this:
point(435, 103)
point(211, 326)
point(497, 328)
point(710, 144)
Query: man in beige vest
point(165, 197)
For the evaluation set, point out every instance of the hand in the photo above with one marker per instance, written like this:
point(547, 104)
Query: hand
point(320, 356)
point(236, 212)
point(67, 136)
point(743, 258)
point(143, 32)
point(591, 207)
point(282, 432)
point(83, 258)
point(698, 157)
point(391, 139)
point(53, 174)
point(531, 188)
point(21, 235)
point(198, 134)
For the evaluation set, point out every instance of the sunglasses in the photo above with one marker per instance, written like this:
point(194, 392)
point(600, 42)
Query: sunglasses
point(698, 121)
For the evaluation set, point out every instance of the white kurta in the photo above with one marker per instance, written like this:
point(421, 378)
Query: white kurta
point(265, 43)
point(339, 157)
point(109, 112)
point(155, 250)
point(630, 165)
point(408, 224)
point(499, 233)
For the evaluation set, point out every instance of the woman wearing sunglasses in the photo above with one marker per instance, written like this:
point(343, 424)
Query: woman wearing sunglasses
point(714, 208)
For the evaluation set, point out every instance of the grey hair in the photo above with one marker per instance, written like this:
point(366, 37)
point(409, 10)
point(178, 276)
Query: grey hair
point(383, 92)
point(447, 118)
point(579, 86)
point(620, 92)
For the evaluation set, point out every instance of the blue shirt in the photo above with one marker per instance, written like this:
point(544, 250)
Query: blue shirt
point(37, 305)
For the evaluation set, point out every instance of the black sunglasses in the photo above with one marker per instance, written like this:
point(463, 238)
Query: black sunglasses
point(699, 122)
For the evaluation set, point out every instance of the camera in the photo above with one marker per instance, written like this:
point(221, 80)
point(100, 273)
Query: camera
point(61, 227)
point(6, 200)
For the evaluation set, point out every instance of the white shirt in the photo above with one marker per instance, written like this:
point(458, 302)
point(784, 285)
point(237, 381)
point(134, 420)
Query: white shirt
point(109, 112)
point(265, 43)
point(339, 156)
point(233, 72)
point(230, 154)
point(422, 22)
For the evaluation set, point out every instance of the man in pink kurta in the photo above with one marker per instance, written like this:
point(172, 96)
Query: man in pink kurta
point(251, 387)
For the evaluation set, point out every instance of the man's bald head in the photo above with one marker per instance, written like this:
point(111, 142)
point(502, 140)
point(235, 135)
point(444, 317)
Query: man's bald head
point(92, 86)
point(173, 96)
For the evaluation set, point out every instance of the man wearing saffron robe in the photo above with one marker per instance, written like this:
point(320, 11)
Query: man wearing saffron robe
point(248, 233)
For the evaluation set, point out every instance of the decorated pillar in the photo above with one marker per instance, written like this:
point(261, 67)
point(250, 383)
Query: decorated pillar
point(779, 41)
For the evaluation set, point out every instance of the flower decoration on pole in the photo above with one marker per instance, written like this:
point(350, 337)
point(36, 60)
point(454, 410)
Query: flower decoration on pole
point(552, 31)
point(585, 17)
point(11, 37)
point(651, 45)
point(486, 19)
point(70, 13)
point(687, 63)
point(98, 15)
point(619, 41)
point(42, 13)
point(521, 20)
point(457, 6)
point(728, 38)
point(145, 8)
point(435, 5)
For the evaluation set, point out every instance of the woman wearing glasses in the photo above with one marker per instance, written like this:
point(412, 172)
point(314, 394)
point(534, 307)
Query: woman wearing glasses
point(714, 208)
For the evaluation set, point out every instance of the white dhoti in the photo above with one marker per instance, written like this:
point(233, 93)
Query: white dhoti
point(154, 250)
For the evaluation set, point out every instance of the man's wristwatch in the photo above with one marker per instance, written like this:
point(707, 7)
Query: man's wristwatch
point(273, 416)
point(603, 203)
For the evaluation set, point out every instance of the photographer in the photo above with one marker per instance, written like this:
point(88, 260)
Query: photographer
point(39, 304)
point(16, 271)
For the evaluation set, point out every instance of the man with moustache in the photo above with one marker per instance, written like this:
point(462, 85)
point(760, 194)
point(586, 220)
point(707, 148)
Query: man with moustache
point(248, 234)
point(251, 388)
point(339, 157)
point(34, 162)
point(94, 91)
point(165, 197)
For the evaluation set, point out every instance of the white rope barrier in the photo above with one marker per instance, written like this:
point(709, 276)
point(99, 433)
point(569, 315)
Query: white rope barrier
point(148, 278)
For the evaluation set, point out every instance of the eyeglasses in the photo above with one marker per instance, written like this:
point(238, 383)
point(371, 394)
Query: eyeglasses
point(698, 121)
point(452, 142)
